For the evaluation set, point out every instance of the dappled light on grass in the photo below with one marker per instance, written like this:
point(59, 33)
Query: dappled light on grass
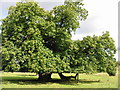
point(29, 80)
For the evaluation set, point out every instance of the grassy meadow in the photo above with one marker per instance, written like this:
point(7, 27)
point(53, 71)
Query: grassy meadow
point(29, 80)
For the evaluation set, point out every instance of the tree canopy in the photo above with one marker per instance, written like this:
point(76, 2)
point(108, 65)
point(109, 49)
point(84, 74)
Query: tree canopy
point(95, 54)
point(37, 40)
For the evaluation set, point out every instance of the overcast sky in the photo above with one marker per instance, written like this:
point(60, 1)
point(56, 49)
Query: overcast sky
point(103, 16)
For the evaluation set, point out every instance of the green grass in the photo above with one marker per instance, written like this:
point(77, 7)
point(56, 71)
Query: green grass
point(29, 80)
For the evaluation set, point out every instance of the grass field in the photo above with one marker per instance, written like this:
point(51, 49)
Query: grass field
point(29, 80)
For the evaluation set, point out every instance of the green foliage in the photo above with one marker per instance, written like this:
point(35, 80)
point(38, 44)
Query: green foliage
point(118, 63)
point(9, 57)
point(0, 51)
point(39, 41)
point(22, 39)
point(94, 54)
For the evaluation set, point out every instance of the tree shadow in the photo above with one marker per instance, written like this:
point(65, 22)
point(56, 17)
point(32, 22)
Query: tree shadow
point(88, 81)
point(28, 75)
point(75, 82)
point(30, 81)
point(18, 80)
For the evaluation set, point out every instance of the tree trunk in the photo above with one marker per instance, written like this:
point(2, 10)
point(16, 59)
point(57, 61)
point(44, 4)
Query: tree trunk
point(62, 76)
point(77, 78)
point(43, 77)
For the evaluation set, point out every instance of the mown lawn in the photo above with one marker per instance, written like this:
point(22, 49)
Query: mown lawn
point(29, 80)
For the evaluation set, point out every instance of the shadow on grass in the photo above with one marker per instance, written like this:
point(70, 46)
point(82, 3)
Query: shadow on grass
point(27, 75)
point(30, 81)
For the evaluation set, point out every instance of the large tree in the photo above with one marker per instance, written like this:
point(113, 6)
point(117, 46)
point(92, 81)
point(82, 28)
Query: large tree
point(39, 41)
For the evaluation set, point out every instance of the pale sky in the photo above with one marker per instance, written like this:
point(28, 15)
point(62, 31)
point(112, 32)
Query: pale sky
point(103, 16)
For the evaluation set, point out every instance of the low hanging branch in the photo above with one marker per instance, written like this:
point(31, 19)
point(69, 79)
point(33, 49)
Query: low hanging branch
point(68, 77)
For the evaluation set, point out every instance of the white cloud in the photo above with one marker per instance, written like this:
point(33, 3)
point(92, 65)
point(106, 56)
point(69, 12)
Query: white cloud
point(88, 26)
point(49, 5)
point(80, 36)
point(103, 16)
point(49, 0)
point(32, 0)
